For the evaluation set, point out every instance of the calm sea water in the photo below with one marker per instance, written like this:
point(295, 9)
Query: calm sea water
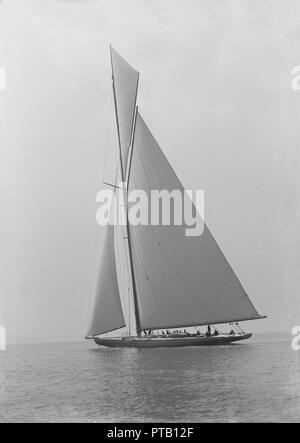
point(70, 382)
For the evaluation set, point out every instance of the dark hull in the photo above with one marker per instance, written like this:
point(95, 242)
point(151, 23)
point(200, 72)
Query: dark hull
point(165, 342)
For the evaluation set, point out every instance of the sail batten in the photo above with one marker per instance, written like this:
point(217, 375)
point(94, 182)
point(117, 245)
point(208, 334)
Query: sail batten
point(181, 280)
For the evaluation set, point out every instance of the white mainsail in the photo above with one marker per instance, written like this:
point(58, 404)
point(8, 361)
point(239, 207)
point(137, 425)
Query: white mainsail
point(126, 81)
point(181, 281)
point(107, 312)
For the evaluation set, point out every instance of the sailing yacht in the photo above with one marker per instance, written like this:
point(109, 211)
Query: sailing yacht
point(176, 281)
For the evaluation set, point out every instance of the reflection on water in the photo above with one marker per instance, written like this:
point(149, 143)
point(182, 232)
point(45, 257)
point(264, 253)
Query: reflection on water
point(254, 381)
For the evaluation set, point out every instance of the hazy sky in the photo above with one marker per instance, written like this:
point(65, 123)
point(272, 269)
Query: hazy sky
point(216, 92)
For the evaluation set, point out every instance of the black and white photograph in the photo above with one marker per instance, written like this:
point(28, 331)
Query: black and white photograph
point(149, 214)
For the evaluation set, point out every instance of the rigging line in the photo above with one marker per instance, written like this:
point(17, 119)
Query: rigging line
point(126, 281)
point(108, 132)
point(130, 154)
point(125, 266)
point(117, 252)
point(129, 287)
point(120, 246)
point(124, 270)
point(120, 267)
point(127, 276)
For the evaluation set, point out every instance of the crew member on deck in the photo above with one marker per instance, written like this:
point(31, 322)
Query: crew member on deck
point(208, 333)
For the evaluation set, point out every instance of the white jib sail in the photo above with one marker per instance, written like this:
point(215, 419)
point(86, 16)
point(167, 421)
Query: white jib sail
point(107, 313)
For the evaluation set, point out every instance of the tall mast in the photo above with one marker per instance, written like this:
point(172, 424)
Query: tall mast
point(125, 188)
